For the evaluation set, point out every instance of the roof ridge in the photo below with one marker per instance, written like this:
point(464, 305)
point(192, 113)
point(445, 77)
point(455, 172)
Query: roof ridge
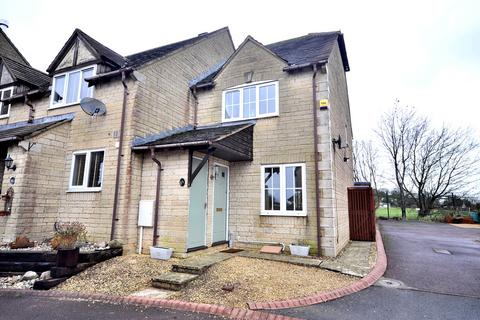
point(310, 34)
point(180, 44)
point(14, 47)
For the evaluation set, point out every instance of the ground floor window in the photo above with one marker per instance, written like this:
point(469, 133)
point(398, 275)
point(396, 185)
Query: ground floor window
point(283, 189)
point(87, 170)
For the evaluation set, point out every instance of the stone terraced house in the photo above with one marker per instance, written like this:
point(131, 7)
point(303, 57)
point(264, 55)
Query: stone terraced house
point(200, 144)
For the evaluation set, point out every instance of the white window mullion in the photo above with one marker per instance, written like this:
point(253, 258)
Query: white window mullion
point(257, 104)
point(283, 191)
point(80, 85)
point(86, 169)
point(241, 103)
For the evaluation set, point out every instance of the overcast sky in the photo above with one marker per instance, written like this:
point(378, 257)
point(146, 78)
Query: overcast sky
point(425, 53)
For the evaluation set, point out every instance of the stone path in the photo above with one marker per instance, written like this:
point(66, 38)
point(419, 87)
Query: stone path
point(354, 260)
point(306, 262)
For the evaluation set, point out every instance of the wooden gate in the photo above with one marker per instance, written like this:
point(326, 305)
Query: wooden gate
point(361, 213)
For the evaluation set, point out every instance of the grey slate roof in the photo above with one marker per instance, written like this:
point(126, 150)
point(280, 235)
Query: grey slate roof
point(8, 49)
point(190, 134)
point(27, 74)
point(143, 57)
point(312, 48)
point(19, 130)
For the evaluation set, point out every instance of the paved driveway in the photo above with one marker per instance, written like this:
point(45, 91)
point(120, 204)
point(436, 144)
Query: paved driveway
point(436, 285)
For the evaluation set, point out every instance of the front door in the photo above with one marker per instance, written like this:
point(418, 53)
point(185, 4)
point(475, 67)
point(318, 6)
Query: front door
point(197, 207)
point(220, 204)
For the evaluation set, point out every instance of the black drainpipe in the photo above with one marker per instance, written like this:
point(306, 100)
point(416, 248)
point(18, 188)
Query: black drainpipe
point(315, 142)
point(119, 156)
point(157, 195)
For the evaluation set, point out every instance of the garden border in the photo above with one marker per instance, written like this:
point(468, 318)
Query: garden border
point(376, 273)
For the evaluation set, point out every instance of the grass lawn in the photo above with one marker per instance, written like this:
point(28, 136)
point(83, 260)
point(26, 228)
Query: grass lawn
point(396, 212)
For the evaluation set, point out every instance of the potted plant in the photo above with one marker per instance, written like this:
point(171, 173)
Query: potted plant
point(301, 248)
point(65, 241)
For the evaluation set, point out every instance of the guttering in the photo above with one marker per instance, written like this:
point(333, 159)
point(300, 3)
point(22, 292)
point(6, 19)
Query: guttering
point(174, 145)
point(107, 75)
point(119, 155)
point(315, 147)
point(304, 65)
point(157, 195)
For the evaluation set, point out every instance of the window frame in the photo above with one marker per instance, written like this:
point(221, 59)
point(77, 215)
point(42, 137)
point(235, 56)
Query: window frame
point(283, 191)
point(84, 187)
point(65, 87)
point(3, 116)
point(257, 86)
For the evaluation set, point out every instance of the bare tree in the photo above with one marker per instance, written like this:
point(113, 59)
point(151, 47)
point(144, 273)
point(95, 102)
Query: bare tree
point(396, 132)
point(365, 165)
point(443, 161)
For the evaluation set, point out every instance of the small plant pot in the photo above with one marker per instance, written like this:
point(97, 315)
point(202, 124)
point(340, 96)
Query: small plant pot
point(160, 253)
point(298, 250)
point(67, 257)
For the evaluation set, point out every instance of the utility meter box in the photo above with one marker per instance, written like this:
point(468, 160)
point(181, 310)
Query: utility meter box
point(145, 213)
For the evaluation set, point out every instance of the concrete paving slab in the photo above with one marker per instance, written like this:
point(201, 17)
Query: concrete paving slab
point(199, 264)
point(173, 280)
point(354, 260)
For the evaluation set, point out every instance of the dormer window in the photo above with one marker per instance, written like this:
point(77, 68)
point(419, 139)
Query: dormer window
point(254, 100)
point(5, 107)
point(70, 87)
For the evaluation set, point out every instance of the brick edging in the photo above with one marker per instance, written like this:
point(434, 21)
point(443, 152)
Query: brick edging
point(377, 272)
point(233, 313)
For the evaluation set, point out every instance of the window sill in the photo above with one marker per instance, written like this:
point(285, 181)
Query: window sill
point(252, 118)
point(53, 107)
point(93, 190)
point(283, 214)
point(4, 116)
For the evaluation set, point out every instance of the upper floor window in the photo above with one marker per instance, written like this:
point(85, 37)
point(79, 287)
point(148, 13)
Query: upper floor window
point(284, 190)
point(87, 170)
point(254, 100)
point(70, 87)
point(5, 107)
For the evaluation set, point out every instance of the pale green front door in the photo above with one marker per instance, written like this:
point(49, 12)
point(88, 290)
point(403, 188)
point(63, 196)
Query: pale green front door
point(220, 204)
point(197, 207)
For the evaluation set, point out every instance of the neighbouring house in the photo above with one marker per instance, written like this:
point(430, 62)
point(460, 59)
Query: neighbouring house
point(200, 144)
point(265, 157)
point(70, 165)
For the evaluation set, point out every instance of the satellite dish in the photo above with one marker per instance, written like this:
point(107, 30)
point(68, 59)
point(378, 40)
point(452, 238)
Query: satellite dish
point(93, 107)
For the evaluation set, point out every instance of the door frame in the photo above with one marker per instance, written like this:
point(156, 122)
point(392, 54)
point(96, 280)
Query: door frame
point(227, 209)
point(205, 212)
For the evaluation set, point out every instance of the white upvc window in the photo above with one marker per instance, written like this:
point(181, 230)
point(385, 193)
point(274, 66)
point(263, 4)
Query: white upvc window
point(70, 87)
point(283, 190)
point(87, 170)
point(250, 101)
point(5, 107)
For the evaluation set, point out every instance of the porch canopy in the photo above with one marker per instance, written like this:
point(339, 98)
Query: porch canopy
point(228, 141)
point(21, 130)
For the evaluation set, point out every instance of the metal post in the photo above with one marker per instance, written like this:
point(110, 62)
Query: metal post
point(388, 207)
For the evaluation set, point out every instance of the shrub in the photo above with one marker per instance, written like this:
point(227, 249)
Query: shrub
point(67, 234)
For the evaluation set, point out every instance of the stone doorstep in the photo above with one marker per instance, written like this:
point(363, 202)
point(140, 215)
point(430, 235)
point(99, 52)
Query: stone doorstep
point(173, 280)
point(198, 265)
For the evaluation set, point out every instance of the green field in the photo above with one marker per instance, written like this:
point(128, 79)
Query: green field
point(396, 212)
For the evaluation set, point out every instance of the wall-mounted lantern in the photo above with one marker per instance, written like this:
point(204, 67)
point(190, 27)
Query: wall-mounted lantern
point(9, 163)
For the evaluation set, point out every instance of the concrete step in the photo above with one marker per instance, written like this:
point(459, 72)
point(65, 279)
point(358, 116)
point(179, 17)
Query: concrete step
point(173, 280)
point(200, 264)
